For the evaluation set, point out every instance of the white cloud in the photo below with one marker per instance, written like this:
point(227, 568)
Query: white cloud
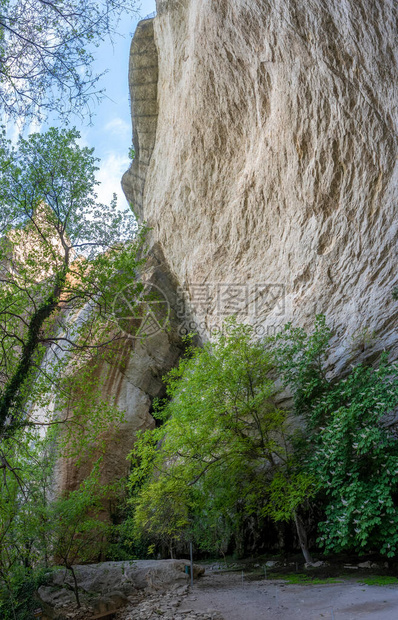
point(84, 140)
point(14, 130)
point(34, 127)
point(112, 168)
point(18, 128)
point(119, 127)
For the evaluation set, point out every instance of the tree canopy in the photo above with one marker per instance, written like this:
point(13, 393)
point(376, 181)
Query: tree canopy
point(63, 257)
point(225, 453)
point(222, 441)
point(46, 54)
point(349, 440)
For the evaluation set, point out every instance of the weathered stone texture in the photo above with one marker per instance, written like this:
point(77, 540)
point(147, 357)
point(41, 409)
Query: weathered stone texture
point(130, 382)
point(143, 75)
point(275, 157)
point(109, 586)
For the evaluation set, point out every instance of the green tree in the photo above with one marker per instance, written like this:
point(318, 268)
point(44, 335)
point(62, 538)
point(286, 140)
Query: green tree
point(300, 360)
point(62, 253)
point(46, 54)
point(38, 530)
point(64, 257)
point(76, 531)
point(350, 443)
point(162, 514)
point(25, 489)
point(356, 459)
point(222, 434)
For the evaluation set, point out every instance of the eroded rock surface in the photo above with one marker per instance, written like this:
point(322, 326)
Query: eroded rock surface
point(130, 382)
point(109, 586)
point(143, 76)
point(275, 162)
point(267, 168)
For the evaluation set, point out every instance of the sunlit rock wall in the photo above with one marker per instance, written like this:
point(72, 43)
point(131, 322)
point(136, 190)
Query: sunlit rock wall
point(272, 164)
point(130, 382)
point(143, 78)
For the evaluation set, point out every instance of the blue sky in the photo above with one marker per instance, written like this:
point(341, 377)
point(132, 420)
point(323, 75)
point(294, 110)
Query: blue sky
point(111, 131)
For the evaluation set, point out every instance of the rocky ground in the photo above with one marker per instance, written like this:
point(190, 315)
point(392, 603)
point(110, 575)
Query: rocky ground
point(108, 586)
point(270, 590)
point(174, 605)
point(226, 596)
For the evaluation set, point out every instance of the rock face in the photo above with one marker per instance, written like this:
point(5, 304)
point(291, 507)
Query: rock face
point(270, 174)
point(109, 586)
point(267, 168)
point(130, 382)
point(143, 77)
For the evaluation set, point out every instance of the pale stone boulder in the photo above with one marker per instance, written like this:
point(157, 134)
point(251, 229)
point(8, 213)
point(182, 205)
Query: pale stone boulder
point(108, 586)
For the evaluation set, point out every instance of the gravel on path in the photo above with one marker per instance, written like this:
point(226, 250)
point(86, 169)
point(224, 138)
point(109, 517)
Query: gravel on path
point(226, 596)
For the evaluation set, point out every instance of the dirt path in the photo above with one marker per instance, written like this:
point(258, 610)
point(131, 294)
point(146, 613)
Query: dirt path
point(274, 600)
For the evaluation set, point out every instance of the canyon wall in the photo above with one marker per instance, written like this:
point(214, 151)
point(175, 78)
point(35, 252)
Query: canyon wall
point(131, 380)
point(267, 162)
point(267, 170)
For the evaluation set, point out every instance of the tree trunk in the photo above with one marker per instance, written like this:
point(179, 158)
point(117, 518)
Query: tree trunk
point(9, 405)
point(302, 536)
point(76, 589)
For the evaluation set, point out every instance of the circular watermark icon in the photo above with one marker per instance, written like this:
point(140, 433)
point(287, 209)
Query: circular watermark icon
point(141, 313)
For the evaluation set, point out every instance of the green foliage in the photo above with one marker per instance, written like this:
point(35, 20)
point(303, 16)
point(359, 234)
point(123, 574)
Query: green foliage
point(357, 461)
point(300, 360)
point(287, 492)
point(380, 580)
point(305, 579)
point(161, 513)
point(351, 447)
point(124, 544)
point(24, 549)
point(46, 54)
point(225, 503)
point(51, 168)
point(18, 600)
point(36, 529)
point(221, 440)
point(77, 532)
point(64, 257)
point(24, 492)
point(225, 452)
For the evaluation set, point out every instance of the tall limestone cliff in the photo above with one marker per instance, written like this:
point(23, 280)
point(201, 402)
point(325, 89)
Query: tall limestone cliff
point(131, 380)
point(267, 169)
point(267, 160)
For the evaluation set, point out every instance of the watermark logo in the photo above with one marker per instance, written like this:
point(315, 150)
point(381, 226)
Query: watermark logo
point(203, 308)
point(141, 312)
point(227, 299)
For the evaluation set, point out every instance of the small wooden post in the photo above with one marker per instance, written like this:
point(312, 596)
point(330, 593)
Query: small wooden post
point(191, 554)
